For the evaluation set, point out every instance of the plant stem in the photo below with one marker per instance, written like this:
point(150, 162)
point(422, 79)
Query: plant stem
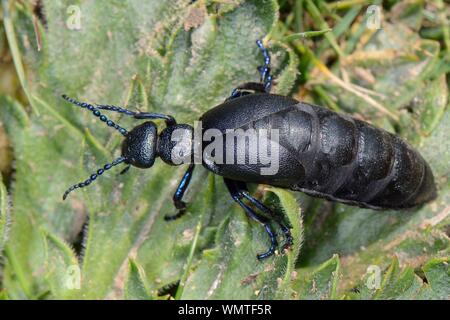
point(315, 13)
point(15, 52)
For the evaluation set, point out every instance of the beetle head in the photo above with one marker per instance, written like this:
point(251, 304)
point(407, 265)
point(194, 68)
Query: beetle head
point(139, 146)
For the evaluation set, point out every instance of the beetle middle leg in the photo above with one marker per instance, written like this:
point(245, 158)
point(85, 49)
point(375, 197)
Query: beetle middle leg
point(266, 78)
point(247, 88)
point(179, 193)
point(238, 191)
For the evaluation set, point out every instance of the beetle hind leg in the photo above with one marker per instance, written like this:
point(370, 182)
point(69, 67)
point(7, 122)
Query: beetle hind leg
point(265, 222)
point(238, 191)
point(285, 229)
point(273, 245)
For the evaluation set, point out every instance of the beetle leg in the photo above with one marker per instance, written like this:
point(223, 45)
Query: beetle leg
point(264, 70)
point(179, 193)
point(235, 190)
point(265, 223)
point(247, 88)
point(261, 206)
point(125, 170)
point(266, 78)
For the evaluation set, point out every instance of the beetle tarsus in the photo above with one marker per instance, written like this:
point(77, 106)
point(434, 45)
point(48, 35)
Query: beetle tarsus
point(257, 87)
point(238, 191)
point(125, 170)
point(289, 240)
point(175, 216)
point(264, 70)
point(273, 243)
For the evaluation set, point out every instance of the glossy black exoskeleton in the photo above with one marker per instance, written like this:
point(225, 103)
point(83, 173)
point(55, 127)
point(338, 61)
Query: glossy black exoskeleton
point(318, 151)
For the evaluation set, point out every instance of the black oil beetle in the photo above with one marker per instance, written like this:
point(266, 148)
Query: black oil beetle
point(318, 151)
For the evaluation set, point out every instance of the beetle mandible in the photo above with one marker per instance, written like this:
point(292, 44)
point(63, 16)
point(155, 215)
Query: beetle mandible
point(320, 152)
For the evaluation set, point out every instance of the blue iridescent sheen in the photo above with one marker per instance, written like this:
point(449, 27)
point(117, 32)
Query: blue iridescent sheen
point(264, 70)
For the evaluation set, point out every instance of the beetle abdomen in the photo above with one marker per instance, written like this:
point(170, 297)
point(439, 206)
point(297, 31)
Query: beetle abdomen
point(353, 162)
point(326, 154)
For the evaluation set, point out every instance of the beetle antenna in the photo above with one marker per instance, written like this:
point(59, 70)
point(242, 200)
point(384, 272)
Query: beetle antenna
point(96, 113)
point(94, 176)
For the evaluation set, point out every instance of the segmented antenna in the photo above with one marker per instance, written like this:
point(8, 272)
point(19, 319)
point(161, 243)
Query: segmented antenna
point(94, 176)
point(138, 115)
point(96, 113)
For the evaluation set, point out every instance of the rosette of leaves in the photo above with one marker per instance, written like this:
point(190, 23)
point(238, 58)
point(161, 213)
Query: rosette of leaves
point(110, 241)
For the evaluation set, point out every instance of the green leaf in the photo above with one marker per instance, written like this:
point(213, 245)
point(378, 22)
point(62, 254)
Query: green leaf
point(437, 273)
point(12, 40)
point(209, 198)
point(291, 208)
point(155, 56)
point(405, 283)
point(25, 248)
point(182, 58)
point(5, 216)
point(365, 237)
point(230, 269)
point(431, 105)
point(286, 80)
point(3, 295)
point(136, 287)
point(398, 284)
point(62, 270)
point(308, 34)
point(321, 283)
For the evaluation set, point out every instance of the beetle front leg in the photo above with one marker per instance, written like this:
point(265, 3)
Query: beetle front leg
point(179, 193)
point(125, 170)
